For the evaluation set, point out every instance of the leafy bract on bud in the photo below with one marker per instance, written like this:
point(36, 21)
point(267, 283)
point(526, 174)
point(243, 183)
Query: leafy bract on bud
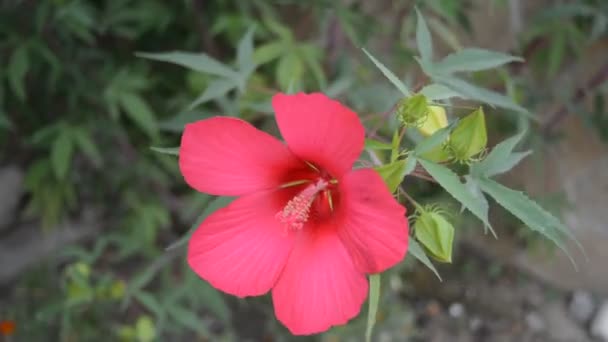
point(413, 111)
point(436, 120)
point(469, 138)
point(435, 233)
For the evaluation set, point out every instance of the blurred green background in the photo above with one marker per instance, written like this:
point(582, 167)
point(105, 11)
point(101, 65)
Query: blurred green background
point(92, 220)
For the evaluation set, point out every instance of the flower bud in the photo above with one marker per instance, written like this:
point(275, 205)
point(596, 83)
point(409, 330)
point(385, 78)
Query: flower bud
point(436, 234)
point(436, 120)
point(413, 111)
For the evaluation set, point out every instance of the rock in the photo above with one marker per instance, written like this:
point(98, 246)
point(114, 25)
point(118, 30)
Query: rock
point(456, 310)
point(11, 189)
point(535, 322)
point(599, 326)
point(581, 306)
point(560, 327)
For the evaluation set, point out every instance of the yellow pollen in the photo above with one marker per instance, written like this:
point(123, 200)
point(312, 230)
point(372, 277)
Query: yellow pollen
point(297, 210)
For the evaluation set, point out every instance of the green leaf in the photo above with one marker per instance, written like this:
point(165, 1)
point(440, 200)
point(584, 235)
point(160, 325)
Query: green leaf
point(289, 70)
point(18, 66)
point(434, 140)
point(410, 164)
point(268, 52)
point(61, 153)
point(215, 89)
point(374, 301)
point(529, 212)
point(392, 173)
point(187, 319)
point(174, 151)
point(469, 137)
point(139, 112)
point(423, 38)
point(501, 159)
point(195, 61)
point(377, 145)
point(436, 234)
point(84, 142)
point(150, 302)
point(473, 59)
point(244, 52)
point(436, 92)
point(450, 182)
point(482, 94)
point(388, 74)
point(417, 252)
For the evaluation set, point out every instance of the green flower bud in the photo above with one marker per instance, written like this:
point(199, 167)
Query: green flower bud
point(436, 120)
point(435, 233)
point(469, 138)
point(413, 111)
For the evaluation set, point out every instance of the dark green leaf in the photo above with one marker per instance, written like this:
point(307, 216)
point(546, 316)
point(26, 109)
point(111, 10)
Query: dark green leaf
point(529, 212)
point(195, 61)
point(501, 159)
point(244, 54)
point(18, 66)
point(268, 52)
point(139, 112)
point(436, 91)
point(61, 153)
point(482, 94)
point(187, 319)
point(85, 143)
point(450, 182)
point(174, 151)
point(389, 75)
point(215, 89)
point(473, 59)
point(423, 38)
point(289, 70)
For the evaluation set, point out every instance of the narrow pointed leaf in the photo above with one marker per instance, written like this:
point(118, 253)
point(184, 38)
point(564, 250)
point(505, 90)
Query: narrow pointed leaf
point(417, 252)
point(374, 300)
point(389, 75)
point(196, 61)
point(174, 151)
point(423, 38)
point(473, 59)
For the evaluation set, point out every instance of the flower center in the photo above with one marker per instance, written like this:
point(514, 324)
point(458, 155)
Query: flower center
point(297, 210)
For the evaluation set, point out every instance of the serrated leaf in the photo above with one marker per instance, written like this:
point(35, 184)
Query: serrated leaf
point(417, 252)
point(473, 59)
point(196, 61)
point(481, 94)
point(436, 92)
point(451, 183)
point(86, 145)
point(434, 140)
point(423, 38)
point(474, 189)
point(215, 89)
point(139, 112)
point(529, 212)
point(501, 159)
point(374, 301)
point(17, 67)
point(61, 153)
point(388, 74)
point(174, 151)
point(377, 145)
point(392, 173)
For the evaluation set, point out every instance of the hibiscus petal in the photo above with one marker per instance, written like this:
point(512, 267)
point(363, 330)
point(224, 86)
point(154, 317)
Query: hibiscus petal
point(319, 286)
point(241, 249)
point(229, 157)
point(372, 224)
point(320, 130)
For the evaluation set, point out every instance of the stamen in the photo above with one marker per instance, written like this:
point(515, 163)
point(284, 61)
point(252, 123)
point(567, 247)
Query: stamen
point(329, 200)
point(296, 212)
point(294, 183)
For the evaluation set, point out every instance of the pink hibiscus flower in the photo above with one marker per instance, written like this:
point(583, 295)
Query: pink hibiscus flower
point(305, 225)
